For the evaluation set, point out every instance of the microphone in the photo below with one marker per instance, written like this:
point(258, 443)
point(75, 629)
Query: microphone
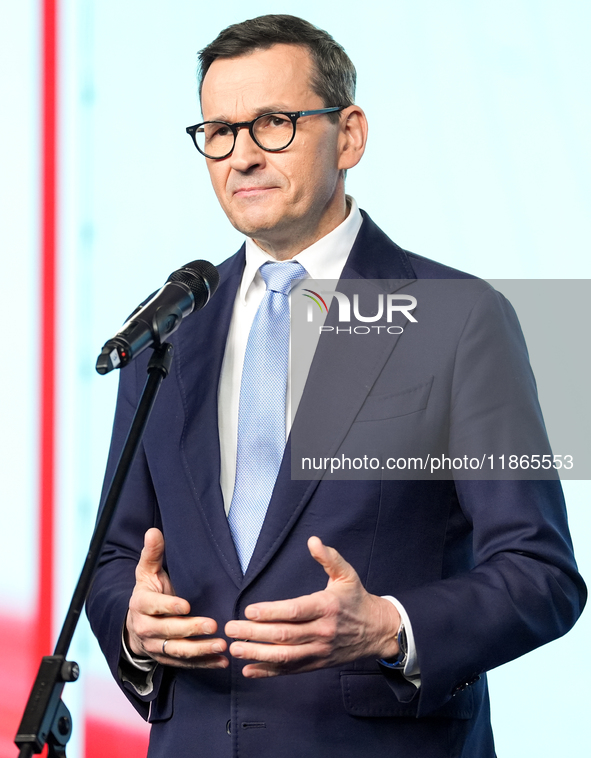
point(186, 290)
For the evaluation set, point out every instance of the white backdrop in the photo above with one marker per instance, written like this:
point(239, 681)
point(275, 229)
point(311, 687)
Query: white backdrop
point(479, 156)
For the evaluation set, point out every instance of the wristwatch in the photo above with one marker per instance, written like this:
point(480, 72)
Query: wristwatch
point(399, 662)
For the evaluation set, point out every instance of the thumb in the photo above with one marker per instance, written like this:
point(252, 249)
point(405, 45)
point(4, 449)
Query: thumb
point(149, 571)
point(153, 552)
point(331, 560)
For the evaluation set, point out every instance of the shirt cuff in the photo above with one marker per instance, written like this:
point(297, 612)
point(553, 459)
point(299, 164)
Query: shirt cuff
point(136, 670)
point(411, 669)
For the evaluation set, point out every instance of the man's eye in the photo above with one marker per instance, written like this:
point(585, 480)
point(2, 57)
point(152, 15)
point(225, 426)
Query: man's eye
point(214, 131)
point(272, 121)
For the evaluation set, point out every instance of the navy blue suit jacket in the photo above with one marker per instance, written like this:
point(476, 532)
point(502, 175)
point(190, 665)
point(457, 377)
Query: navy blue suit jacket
point(484, 568)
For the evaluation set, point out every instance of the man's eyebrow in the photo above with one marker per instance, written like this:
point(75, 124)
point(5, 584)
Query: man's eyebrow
point(274, 108)
point(281, 108)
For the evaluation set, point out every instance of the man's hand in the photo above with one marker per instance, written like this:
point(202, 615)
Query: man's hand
point(156, 614)
point(334, 626)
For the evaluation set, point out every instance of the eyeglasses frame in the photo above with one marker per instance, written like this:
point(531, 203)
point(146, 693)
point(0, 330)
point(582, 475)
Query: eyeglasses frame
point(293, 116)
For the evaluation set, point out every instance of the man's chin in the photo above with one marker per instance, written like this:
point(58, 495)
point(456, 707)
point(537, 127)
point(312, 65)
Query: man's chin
point(256, 227)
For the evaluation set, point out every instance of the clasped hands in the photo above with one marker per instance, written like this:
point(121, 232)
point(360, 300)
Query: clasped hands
point(336, 625)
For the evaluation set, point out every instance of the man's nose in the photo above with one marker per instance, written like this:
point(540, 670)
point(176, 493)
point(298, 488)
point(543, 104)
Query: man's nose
point(247, 153)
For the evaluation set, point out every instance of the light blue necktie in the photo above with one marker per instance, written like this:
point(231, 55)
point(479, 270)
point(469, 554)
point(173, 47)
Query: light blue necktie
point(261, 414)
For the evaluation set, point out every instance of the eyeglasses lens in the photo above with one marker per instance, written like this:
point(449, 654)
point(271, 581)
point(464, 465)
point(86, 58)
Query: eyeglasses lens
point(273, 131)
point(215, 139)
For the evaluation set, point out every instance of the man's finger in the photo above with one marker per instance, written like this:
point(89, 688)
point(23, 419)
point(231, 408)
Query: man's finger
point(332, 561)
point(261, 671)
point(187, 653)
point(284, 659)
point(265, 670)
point(152, 603)
point(276, 633)
point(169, 627)
point(190, 662)
point(185, 649)
point(305, 608)
point(153, 552)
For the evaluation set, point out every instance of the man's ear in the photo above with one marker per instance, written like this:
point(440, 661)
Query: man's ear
point(352, 137)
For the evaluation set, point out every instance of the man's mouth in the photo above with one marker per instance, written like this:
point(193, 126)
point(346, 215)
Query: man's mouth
point(251, 191)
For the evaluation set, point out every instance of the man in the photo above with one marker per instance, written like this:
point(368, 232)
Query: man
point(267, 615)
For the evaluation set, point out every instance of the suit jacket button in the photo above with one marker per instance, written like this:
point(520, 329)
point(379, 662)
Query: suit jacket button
point(463, 685)
point(229, 726)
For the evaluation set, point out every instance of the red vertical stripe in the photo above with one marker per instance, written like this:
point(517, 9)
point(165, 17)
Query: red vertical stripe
point(49, 93)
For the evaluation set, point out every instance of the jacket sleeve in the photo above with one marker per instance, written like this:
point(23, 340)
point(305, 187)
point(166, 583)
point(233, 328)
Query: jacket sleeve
point(137, 511)
point(523, 589)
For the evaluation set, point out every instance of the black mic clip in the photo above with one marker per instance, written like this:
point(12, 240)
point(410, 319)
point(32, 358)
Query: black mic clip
point(117, 352)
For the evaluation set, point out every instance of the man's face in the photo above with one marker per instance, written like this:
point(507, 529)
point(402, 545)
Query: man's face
point(282, 198)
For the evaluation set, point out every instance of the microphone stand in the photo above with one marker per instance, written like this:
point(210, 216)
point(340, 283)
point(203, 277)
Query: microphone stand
point(46, 719)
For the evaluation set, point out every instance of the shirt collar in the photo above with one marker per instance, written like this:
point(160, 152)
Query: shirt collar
point(325, 259)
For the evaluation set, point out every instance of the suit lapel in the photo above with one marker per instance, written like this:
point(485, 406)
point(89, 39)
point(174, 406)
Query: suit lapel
point(341, 376)
point(200, 353)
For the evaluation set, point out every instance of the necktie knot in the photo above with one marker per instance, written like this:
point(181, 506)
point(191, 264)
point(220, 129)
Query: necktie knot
point(279, 276)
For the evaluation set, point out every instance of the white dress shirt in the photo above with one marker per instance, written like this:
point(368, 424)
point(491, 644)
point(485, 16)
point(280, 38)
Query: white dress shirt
point(324, 259)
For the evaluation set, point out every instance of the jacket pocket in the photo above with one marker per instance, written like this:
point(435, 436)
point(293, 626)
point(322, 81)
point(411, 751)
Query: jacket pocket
point(401, 403)
point(162, 707)
point(369, 695)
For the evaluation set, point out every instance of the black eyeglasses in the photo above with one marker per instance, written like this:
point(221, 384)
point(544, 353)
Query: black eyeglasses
point(271, 131)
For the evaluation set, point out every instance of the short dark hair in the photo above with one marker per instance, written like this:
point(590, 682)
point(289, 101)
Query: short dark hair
point(334, 77)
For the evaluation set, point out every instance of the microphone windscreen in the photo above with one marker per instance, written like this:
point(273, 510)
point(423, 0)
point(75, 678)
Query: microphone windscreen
point(201, 277)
